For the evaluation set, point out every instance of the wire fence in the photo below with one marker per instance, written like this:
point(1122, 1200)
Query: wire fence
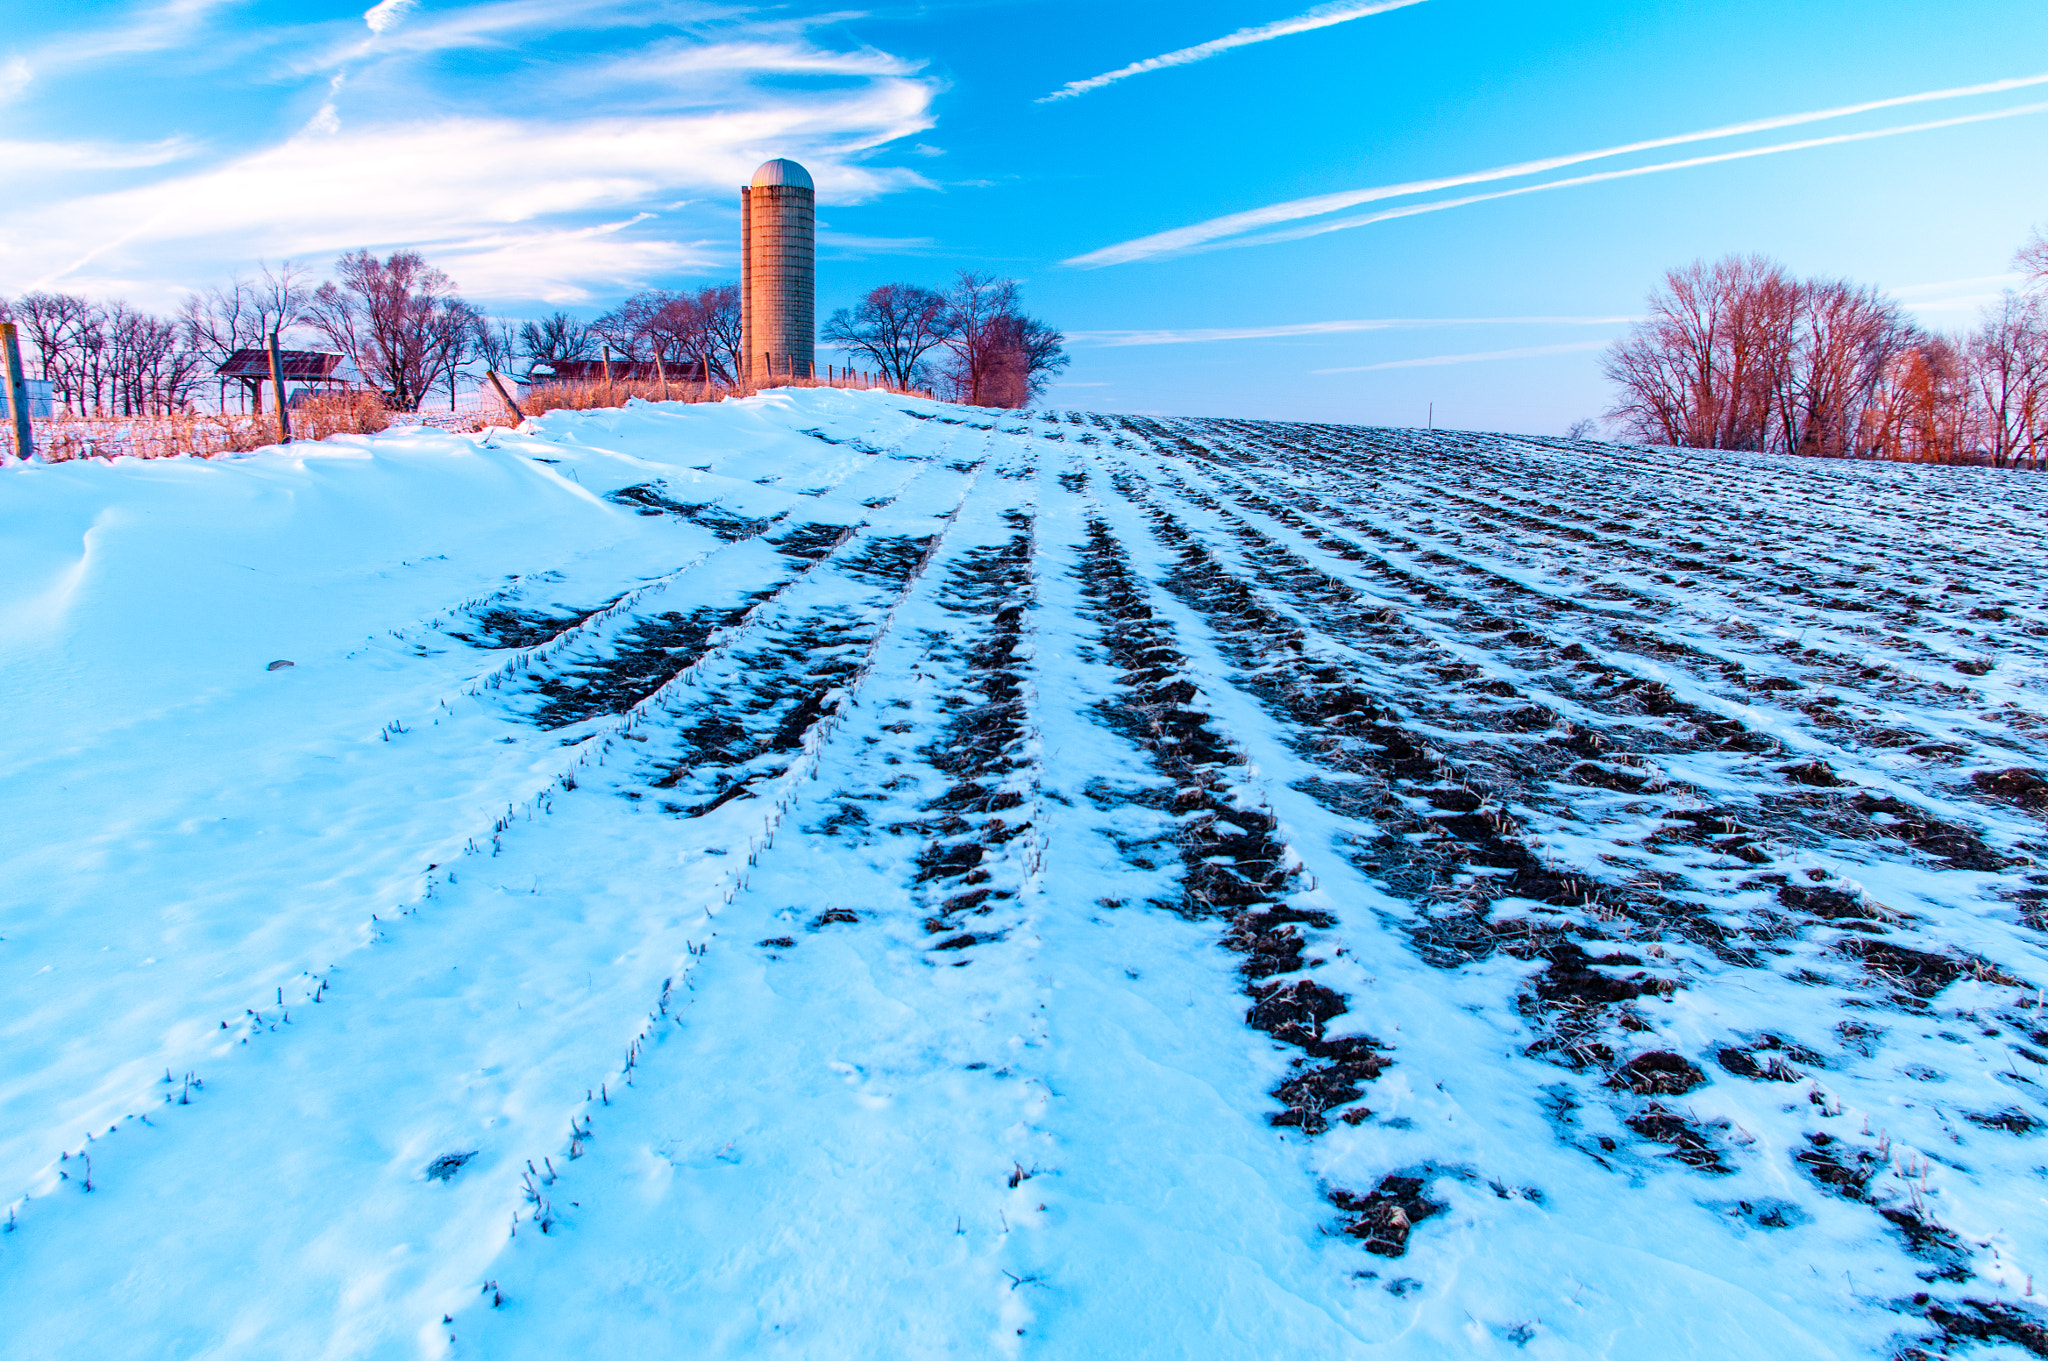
point(209, 434)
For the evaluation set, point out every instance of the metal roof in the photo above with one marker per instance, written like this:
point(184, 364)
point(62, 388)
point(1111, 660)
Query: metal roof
point(295, 366)
point(783, 172)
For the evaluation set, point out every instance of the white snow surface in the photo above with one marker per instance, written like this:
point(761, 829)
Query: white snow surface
point(836, 875)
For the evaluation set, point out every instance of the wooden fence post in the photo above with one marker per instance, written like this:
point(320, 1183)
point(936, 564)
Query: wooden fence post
point(284, 417)
point(503, 395)
point(17, 392)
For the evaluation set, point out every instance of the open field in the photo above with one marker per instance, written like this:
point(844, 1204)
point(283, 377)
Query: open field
point(1061, 885)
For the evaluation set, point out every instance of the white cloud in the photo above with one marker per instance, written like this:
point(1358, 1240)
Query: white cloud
point(1956, 295)
point(1196, 235)
point(1200, 335)
point(568, 265)
point(668, 61)
point(487, 187)
point(565, 179)
point(1322, 16)
point(500, 24)
point(147, 28)
point(51, 158)
point(1432, 361)
point(15, 74)
point(385, 13)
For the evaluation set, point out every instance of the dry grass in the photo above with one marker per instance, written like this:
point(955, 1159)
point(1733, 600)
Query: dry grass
point(545, 397)
point(340, 413)
point(203, 434)
point(207, 434)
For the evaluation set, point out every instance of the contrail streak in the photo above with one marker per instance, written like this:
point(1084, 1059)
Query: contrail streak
point(1322, 16)
point(1300, 329)
point(1438, 205)
point(1235, 224)
point(1431, 361)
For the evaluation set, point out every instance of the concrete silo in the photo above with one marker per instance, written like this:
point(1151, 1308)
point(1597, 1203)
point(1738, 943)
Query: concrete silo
point(779, 272)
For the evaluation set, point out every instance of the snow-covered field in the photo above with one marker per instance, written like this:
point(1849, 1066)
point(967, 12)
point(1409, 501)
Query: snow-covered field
point(839, 875)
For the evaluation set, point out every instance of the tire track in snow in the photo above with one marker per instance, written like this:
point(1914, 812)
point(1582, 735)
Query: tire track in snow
point(1885, 961)
point(795, 1042)
point(450, 931)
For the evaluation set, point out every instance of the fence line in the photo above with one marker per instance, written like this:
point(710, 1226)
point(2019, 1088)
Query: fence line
point(62, 436)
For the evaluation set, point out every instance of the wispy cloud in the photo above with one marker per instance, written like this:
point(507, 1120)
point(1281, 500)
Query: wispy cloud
point(1201, 335)
point(14, 77)
point(670, 60)
point(1219, 229)
point(385, 13)
point(143, 29)
point(47, 158)
point(1322, 16)
point(1955, 295)
point(491, 192)
point(1432, 361)
point(544, 186)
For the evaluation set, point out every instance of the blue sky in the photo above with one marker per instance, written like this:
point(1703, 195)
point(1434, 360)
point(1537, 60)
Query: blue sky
point(556, 153)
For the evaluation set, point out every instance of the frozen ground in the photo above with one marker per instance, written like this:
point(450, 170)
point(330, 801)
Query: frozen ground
point(834, 875)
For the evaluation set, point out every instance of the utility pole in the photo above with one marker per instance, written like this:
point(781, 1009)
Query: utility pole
point(17, 392)
point(284, 417)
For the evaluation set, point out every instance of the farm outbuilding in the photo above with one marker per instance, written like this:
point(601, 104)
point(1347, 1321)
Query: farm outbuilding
point(307, 368)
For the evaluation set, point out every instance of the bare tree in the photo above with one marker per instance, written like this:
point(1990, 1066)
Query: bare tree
point(495, 343)
point(624, 328)
point(894, 327)
point(1703, 367)
point(399, 321)
point(555, 336)
point(60, 327)
point(1037, 353)
point(1920, 411)
point(996, 356)
point(976, 307)
point(2032, 259)
point(151, 372)
point(1847, 337)
point(216, 322)
point(718, 313)
point(2008, 370)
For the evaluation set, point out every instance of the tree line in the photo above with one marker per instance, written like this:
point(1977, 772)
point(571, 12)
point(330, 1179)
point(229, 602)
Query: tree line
point(970, 342)
point(405, 328)
point(1739, 354)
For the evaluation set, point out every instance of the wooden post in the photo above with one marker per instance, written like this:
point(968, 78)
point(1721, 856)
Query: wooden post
point(17, 392)
point(607, 370)
point(503, 395)
point(661, 375)
point(284, 417)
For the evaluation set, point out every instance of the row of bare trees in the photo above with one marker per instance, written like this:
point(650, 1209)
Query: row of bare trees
point(972, 343)
point(406, 331)
point(678, 328)
point(1739, 354)
point(109, 357)
point(397, 321)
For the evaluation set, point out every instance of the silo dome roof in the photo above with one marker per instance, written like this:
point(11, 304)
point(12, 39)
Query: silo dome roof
point(783, 172)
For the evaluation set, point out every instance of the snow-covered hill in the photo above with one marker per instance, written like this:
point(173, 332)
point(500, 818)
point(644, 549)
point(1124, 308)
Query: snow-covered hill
point(836, 875)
